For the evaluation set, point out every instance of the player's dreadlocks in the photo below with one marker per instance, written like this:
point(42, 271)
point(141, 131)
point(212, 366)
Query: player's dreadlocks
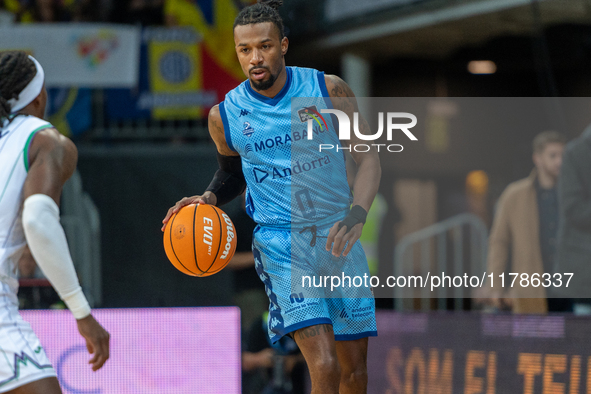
point(263, 11)
point(16, 71)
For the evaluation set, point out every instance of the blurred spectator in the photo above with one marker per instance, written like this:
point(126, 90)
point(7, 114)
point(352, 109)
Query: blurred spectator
point(526, 223)
point(144, 12)
point(271, 369)
point(7, 16)
point(88, 10)
point(49, 11)
point(44, 11)
point(20, 10)
point(574, 235)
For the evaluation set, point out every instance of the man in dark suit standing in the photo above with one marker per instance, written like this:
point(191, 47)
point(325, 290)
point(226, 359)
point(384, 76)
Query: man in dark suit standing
point(574, 234)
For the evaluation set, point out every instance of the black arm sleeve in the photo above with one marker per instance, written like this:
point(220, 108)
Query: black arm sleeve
point(228, 181)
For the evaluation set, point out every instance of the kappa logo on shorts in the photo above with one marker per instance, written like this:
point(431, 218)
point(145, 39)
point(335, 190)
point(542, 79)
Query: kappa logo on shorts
point(274, 323)
point(247, 131)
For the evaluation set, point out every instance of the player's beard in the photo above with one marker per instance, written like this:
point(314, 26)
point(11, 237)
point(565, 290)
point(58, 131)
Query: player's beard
point(267, 84)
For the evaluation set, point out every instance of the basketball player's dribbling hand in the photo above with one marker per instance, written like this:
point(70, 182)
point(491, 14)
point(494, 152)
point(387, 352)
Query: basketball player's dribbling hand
point(206, 198)
point(97, 341)
point(338, 238)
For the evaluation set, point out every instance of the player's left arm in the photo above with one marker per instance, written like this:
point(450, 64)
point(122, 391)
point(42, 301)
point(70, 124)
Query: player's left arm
point(368, 176)
point(52, 158)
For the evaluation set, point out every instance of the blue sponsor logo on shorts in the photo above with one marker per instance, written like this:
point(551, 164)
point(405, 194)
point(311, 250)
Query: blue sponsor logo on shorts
point(296, 297)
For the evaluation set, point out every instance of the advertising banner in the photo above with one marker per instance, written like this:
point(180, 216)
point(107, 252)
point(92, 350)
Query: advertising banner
point(158, 351)
point(445, 353)
point(88, 55)
point(342, 9)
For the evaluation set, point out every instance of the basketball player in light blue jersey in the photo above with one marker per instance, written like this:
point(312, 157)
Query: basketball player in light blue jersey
point(297, 194)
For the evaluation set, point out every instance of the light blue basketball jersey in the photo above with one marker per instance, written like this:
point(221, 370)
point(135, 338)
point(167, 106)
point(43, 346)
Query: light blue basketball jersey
point(289, 181)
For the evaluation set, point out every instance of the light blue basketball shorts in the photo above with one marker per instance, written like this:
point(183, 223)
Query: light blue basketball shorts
point(300, 278)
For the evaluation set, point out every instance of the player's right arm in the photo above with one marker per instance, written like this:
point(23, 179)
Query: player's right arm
point(52, 160)
point(228, 182)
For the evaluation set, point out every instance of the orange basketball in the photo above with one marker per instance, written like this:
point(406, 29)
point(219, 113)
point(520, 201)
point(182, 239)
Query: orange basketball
point(200, 240)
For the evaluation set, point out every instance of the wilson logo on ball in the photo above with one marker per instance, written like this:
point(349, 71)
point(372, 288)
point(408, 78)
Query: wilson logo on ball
point(230, 235)
point(207, 242)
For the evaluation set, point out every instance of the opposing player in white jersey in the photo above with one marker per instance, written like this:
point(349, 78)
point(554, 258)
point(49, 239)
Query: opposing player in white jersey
point(35, 162)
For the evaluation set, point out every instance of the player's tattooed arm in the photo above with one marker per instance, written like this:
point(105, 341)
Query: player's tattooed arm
point(216, 131)
point(343, 99)
point(368, 163)
point(342, 96)
point(369, 172)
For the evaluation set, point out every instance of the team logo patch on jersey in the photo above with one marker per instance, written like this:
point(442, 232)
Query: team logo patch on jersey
point(247, 131)
point(244, 112)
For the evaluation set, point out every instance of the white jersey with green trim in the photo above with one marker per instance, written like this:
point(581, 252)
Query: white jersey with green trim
point(15, 138)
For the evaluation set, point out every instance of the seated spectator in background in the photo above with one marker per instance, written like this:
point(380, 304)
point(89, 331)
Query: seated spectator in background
point(7, 16)
point(574, 234)
point(21, 12)
point(49, 11)
point(271, 369)
point(89, 10)
point(44, 11)
point(143, 12)
point(526, 223)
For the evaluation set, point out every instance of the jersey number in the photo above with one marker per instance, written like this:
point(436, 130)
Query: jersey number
point(305, 203)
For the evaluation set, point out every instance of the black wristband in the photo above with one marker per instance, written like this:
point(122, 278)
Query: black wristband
point(356, 215)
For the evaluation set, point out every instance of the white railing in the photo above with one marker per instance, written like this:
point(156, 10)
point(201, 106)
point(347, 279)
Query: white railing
point(455, 246)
